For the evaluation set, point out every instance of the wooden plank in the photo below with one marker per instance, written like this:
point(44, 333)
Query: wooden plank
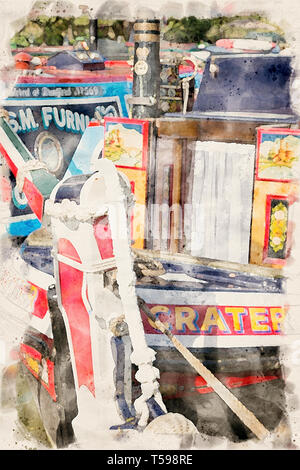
point(243, 132)
point(227, 265)
point(177, 128)
point(176, 198)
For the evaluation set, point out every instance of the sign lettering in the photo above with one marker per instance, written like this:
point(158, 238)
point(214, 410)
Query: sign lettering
point(217, 320)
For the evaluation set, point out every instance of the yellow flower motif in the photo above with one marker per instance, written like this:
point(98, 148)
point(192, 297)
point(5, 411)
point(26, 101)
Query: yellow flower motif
point(278, 227)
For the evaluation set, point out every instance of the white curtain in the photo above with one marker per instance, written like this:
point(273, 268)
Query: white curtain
point(222, 201)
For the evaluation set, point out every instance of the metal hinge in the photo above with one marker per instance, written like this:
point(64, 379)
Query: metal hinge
point(142, 100)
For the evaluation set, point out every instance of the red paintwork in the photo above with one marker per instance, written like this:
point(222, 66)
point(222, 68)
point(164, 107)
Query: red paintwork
point(9, 161)
point(40, 303)
point(181, 385)
point(117, 63)
point(66, 248)
point(103, 238)
point(34, 196)
point(5, 189)
point(71, 281)
point(117, 74)
point(22, 57)
point(26, 351)
point(95, 124)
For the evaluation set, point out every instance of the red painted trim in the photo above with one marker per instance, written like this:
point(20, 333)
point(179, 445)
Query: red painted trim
point(190, 384)
point(40, 307)
point(145, 132)
point(132, 186)
point(273, 131)
point(233, 382)
point(34, 196)
point(26, 350)
point(71, 281)
point(31, 351)
point(6, 191)
point(95, 124)
point(117, 63)
point(66, 248)
point(9, 161)
point(70, 77)
point(103, 237)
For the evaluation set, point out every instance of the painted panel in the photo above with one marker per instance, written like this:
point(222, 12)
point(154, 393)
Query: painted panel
point(278, 152)
point(275, 246)
point(275, 190)
point(210, 320)
point(126, 144)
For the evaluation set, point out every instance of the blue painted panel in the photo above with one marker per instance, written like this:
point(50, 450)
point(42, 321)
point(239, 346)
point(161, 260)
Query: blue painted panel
point(81, 161)
point(24, 228)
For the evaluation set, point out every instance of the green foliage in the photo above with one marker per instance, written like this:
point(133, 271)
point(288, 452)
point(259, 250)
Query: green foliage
point(52, 30)
point(191, 29)
point(19, 41)
point(81, 21)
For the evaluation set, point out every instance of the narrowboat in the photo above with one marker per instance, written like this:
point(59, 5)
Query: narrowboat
point(188, 251)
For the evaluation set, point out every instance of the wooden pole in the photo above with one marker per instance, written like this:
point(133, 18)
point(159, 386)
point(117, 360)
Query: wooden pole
point(246, 416)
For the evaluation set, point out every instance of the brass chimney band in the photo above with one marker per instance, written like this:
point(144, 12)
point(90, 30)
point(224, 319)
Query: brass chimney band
point(146, 26)
point(146, 31)
point(146, 38)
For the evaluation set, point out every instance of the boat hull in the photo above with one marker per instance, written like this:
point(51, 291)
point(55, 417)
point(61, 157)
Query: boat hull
point(216, 326)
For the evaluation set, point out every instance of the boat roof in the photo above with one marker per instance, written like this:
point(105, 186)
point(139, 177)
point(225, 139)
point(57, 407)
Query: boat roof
point(111, 73)
point(238, 84)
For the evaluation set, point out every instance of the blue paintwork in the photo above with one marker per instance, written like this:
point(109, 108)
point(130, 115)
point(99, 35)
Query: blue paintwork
point(71, 188)
point(81, 161)
point(214, 279)
point(27, 106)
point(23, 228)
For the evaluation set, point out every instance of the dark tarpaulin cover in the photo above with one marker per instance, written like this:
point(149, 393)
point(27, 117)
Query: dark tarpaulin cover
point(246, 84)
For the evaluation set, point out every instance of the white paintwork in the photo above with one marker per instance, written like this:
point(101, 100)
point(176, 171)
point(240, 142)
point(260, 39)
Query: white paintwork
point(196, 297)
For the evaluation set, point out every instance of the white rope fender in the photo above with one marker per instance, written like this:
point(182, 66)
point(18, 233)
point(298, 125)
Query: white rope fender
point(67, 209)
point(142, 356)
point(23, 171)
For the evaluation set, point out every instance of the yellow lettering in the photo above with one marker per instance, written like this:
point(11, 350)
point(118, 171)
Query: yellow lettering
point(258, 319)
point(213, 318)
point(158, 309)
point(277, 315)
point(236, 313)
point(187, 319)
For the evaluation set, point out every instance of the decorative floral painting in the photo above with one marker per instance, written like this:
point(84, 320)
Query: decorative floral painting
point(277, 229)
point(125, 142)
point(278, 152)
